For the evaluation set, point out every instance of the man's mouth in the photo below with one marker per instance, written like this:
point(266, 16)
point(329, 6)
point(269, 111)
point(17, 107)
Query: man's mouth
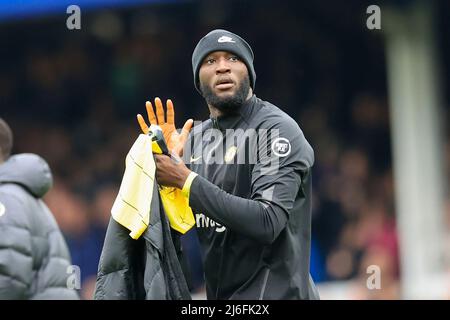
point(224, 84)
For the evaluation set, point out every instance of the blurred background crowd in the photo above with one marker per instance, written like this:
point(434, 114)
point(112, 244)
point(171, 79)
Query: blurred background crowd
point(72, 97)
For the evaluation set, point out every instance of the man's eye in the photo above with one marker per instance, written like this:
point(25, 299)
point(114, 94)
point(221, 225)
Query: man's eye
point(234, 58)
point(209, 61)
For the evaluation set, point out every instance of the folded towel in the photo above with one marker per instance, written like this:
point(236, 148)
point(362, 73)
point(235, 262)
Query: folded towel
point(132, 206)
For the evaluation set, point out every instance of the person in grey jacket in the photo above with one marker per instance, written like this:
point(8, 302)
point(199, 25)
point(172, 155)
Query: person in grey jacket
point(35, 262)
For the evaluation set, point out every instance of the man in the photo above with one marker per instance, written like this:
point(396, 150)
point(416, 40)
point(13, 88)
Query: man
point(248, 181)
point(34, 260)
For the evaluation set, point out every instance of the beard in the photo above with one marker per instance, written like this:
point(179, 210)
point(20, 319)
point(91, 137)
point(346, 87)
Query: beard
point(229, 103)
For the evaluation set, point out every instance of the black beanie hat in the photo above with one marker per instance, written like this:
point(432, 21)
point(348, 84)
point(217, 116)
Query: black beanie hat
point(223, 40)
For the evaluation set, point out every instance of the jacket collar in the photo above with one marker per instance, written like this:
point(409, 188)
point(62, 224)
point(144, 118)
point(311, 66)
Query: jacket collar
point(230, 120)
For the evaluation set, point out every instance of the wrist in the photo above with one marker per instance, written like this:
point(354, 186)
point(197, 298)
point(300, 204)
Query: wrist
point(183, 177)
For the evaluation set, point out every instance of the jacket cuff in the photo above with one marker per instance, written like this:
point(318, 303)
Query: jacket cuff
point(187, 184)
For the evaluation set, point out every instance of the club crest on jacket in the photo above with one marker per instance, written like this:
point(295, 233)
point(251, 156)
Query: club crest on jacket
point(229, 155)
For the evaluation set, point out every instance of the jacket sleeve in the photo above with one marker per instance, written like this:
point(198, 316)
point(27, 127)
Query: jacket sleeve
point(284, 157)
point(16, 263)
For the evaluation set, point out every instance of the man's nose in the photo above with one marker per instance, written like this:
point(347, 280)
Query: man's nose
point(223, 66)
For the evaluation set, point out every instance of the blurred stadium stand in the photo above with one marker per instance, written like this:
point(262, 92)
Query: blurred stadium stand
point(17, 10)
point(72, 97)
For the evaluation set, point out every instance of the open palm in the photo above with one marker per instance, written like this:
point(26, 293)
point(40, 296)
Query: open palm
point(175, 141)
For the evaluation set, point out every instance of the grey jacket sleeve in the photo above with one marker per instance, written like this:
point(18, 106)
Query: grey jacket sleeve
point(276, 183)
point(16, 263)
point(57, 277)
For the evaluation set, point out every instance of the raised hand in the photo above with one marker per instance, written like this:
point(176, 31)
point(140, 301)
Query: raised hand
point(175, 141)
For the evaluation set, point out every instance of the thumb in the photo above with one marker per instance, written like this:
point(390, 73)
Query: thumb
point(186, 129)
point(178, 149)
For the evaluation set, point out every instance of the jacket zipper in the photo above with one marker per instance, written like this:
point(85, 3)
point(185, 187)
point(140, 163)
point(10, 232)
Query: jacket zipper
point(215, 124)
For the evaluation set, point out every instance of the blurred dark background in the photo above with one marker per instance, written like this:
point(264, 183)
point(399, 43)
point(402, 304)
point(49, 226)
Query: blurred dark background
point(72, 96)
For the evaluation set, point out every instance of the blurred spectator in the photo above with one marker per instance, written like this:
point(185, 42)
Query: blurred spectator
point(35, 262)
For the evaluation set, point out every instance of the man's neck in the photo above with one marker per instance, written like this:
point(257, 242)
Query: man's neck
point(215, 113)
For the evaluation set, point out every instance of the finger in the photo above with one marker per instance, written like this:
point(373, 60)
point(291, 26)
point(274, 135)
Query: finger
point(178, 149)
point(160, 157)
point(159, 111)
point(186, 129)
point(142, 124)
point(160, 161)
point(170, 112)
point(150, 113)
point(157, 160)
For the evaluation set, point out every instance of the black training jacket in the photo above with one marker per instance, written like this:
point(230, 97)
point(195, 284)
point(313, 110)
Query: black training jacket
point(150, 267)
point(252, 203)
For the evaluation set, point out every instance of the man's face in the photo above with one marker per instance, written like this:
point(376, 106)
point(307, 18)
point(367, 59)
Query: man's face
point(224, 80)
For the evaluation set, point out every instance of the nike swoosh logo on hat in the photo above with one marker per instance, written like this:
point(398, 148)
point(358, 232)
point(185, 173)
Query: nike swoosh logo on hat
point(225, 39)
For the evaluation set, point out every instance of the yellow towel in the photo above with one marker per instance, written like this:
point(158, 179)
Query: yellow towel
point(132, 206)
point(177, 209)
